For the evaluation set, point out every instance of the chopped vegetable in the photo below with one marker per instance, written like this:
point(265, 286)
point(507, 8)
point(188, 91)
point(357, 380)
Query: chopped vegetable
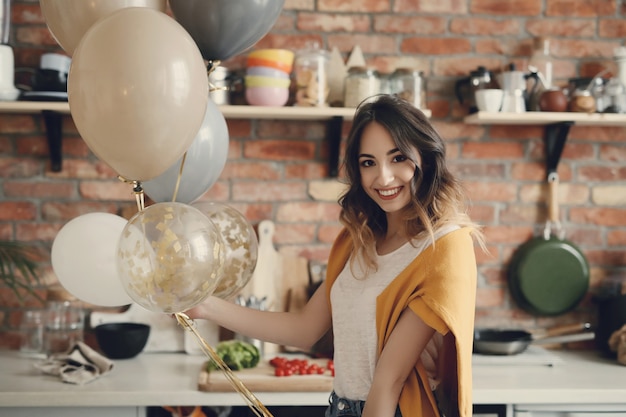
point(236, 354)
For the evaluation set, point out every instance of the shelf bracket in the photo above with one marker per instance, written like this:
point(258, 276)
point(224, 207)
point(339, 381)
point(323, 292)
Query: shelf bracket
point(335, 125)
point(555, 138)
point(54, 132)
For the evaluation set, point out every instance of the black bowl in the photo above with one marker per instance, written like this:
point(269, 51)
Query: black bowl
point(122, 340)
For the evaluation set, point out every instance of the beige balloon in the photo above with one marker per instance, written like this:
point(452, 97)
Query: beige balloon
point(69, 20)
point(138, 91)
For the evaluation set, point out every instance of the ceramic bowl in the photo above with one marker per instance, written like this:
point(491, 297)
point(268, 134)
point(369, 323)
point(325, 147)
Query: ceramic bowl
point(261, 81)
point(267, 96)
point(267, 72)
point(122, 340)
point(281, 55)
point(263, 62)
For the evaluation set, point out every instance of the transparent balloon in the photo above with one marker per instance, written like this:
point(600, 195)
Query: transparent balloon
point(240, 243)
point(170, 256)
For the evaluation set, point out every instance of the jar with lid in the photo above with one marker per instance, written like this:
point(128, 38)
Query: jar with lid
point(409, 84)
point(311, 76)
point(361, 84)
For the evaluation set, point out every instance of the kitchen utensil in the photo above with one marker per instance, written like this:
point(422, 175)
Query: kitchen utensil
point(122, 340)
point(489, 100)
point(465, 88)
point(553, 100)
point(549, 275)
point(512, 342)
point(516, 89)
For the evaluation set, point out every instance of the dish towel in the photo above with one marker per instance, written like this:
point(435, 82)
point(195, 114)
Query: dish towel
point(80, 365)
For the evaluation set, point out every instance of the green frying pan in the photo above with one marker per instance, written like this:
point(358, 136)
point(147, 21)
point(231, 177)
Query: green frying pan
point(549, 275)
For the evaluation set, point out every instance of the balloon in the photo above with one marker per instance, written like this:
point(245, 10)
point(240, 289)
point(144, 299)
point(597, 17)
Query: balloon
point(69, 20)
point(225, 28)
point(203, 164)
point(83, 259)
point(170, 256)
point(138, 90)
point(241, 246)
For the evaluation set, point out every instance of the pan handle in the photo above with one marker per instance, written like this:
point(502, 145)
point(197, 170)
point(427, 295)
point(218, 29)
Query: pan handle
point(566, 329)
point(553, 208)
point(566, 338)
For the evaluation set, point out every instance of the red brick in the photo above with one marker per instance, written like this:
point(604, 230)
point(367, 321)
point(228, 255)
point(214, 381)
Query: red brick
point(601, 173)
point(447, 7)
point(435, 46)
point(612, 28)
point(491, 150)
point(612, 153)
point(580, 8)
point(327, 233)
point(484, 26)
point(58, 211)
point(333, 22)
point(559, 27)
point(38, 189)
point(508, 234)
point(31, 232)
point(250, 170)
point(478, 169)
point(306, 170)
point(616, 238)
point(482, 213)
point(491, 191)
point(363, 6)
point(490, 297)
point(106, 190)
point(510, 7)
point(598, 216)
point(370, 44)
point(279, 150)
point(294, 233)
point(17, 210)
point(426, 25)
point(307, 212)
point(276, 191)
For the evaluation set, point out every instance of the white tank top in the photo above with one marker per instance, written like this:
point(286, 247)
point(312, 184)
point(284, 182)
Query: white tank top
point(354, 320)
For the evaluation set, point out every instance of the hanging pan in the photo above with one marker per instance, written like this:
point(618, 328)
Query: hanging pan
point(549, 275)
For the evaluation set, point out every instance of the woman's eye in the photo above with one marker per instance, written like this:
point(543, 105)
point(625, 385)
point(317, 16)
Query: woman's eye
point(367, 163)
point(399, 158)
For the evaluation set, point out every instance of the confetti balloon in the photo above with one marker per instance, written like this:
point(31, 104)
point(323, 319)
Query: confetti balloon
point(170, 256)
point(240, 244)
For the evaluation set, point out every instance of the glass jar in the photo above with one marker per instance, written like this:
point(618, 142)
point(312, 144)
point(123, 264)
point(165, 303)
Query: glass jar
point(409, 84)
point(361, 84)
point(311, 77)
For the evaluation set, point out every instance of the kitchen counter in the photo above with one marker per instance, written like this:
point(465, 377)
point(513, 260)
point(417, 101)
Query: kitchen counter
point(583, 378)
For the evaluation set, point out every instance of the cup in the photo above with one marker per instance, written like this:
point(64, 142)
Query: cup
point(64, 327)
point(32, 332)
point(489, 100)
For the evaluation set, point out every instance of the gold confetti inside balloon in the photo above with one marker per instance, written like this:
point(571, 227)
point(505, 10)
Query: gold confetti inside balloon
point(170, 256)
point(240, 244)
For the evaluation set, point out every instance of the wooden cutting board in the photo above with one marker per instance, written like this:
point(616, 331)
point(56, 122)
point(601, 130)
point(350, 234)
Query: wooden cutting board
point(262, 379)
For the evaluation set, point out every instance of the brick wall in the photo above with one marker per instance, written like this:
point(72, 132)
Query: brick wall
point(277, 169)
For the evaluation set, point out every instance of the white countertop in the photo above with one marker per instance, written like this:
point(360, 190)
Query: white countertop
point(171, 378)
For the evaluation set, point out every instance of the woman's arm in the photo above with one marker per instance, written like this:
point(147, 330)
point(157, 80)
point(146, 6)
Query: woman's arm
point(299, 329)
point(398, 358)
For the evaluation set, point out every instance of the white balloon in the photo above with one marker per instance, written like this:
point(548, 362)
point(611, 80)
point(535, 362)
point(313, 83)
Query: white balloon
point(84, 259)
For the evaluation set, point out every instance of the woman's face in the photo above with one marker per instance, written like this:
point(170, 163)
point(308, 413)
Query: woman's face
point(386, 173)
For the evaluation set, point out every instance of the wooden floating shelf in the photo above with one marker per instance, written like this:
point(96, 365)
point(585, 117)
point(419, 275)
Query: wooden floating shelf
point(545, 118)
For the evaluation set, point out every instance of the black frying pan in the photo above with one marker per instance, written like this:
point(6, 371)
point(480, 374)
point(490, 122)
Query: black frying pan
point(512, 342)
point(549, 275)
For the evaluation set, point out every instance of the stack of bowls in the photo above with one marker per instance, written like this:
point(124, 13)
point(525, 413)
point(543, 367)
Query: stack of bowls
point(268, 77)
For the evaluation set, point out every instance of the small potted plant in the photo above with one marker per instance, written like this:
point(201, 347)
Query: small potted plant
point(19, 269)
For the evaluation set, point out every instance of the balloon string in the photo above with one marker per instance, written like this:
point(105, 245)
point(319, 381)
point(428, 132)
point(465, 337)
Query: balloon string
point(137, 191)
point(211, 66)
point(255, 405)
point(180, 174)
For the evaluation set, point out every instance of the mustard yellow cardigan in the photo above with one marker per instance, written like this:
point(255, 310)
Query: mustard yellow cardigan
point(439, 285)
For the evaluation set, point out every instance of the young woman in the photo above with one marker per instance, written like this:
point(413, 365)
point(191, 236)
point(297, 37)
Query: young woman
point(401, 278)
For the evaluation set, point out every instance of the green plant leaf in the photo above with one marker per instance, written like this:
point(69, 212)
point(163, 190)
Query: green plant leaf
point(19, 269)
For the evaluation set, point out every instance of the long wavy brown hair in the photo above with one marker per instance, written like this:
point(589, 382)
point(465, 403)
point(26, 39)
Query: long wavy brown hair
point(438, 198)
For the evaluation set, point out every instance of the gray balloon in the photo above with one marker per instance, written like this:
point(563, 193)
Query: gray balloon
point(225, 28)
point(204, 162)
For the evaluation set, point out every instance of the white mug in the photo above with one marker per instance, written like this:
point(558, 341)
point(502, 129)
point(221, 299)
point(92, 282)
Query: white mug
point(489, 100)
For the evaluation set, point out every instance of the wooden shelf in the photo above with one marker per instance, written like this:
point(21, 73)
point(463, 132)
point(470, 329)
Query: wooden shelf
point(545, 118)
point(230, 112)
